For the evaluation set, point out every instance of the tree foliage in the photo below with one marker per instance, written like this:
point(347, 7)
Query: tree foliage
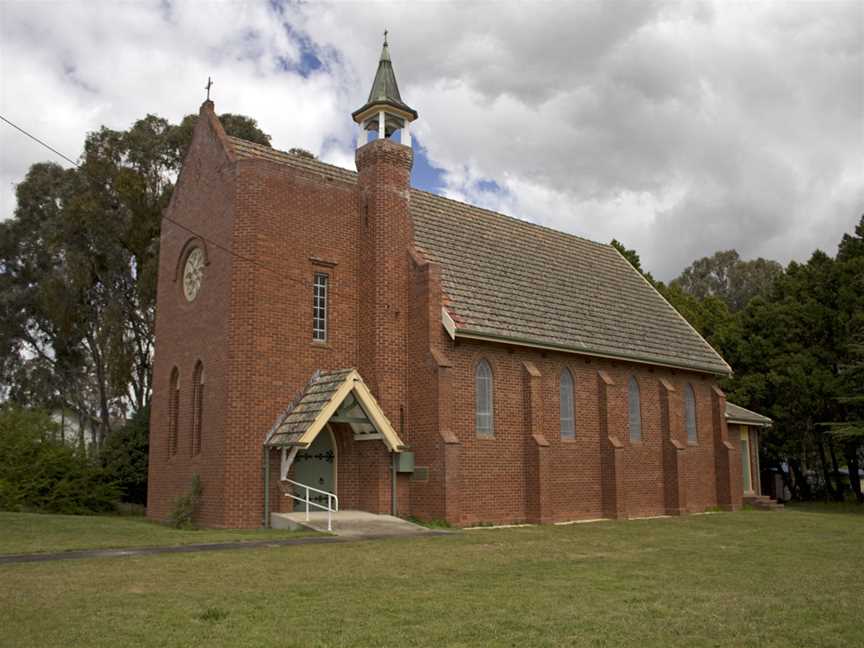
point(124, 458)
point(725, 276)
point(78, 270)
point(794, 339)
point(40, 473)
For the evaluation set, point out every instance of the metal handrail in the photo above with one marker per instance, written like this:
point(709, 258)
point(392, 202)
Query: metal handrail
point(330, 496)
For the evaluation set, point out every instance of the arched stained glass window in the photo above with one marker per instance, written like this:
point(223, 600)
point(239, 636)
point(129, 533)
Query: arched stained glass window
point(173, 411)
point(483, 405)
point(568, 420)
point(690, 415)
point(635, 410)
point(197, 407)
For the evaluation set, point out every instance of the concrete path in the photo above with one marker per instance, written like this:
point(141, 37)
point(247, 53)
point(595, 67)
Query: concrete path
point(6, 559)
point(351, 524)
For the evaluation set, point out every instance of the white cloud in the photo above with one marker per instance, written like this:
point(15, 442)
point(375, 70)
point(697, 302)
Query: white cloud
point(68, 68)
point(679, 129)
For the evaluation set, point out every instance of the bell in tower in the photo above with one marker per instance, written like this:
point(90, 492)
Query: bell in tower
point(384, 112)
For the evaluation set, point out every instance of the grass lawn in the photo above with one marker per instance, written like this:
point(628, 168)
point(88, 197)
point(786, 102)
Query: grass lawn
point(732, 579)
point(36, 533)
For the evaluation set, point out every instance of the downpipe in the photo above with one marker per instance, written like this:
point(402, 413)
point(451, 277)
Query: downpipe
point(393, 510)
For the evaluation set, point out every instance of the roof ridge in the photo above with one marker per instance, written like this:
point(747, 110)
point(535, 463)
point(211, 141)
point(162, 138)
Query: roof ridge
point(514, 219)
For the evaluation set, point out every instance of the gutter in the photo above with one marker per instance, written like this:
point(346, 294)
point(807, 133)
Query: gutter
point(762, 424)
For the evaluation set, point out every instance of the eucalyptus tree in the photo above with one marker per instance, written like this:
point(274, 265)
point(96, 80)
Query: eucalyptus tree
point(78, 270)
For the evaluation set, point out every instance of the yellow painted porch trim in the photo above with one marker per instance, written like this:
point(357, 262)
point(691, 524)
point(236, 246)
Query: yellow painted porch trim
point(353, 382)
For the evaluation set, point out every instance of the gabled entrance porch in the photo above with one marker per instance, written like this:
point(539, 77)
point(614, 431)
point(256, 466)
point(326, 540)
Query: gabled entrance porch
point(335, 449)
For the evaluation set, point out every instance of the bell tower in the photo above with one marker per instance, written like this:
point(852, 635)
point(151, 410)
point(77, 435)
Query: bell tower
point(384, 193)
point(384, 112)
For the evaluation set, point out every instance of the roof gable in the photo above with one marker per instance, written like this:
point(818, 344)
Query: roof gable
point(322, 397)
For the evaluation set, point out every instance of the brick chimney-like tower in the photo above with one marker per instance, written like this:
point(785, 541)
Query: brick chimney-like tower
point(384, 183)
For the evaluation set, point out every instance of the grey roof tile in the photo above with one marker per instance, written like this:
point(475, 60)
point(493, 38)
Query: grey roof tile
point(511, 279)
point(742, 414)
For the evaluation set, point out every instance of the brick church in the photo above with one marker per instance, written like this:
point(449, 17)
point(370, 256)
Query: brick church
point(413, 355)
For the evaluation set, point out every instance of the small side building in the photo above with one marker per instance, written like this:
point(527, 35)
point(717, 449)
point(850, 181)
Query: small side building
point(745, 427)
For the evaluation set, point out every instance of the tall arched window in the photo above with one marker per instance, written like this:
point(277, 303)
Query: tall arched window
point(568, 422)
point(690, 415)
point(197, 406)
point(483, 407)
point(635, 410)
point(173, 410)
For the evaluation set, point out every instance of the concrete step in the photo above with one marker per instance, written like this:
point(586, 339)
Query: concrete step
point(355, 524)
point(763, 503)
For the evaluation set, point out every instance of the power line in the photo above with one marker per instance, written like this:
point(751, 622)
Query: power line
point(36, 139)
point(219, 246)
point(233, 253)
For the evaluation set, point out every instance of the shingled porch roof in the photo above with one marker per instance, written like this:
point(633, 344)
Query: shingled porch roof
point(324, 396)
point(509, 280)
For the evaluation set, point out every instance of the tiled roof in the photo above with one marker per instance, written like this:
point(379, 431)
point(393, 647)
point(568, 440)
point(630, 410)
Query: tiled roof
point(250, 151)
point(737, 414)
point(303, 412)
point(513, 280)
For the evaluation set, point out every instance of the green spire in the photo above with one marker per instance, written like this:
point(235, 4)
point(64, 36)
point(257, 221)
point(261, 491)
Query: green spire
point(385, 90)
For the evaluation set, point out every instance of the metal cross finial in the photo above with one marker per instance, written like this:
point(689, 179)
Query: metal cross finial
point(385, 36)
point(208, 86)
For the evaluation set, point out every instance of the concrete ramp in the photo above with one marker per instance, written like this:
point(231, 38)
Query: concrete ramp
point(351, 524)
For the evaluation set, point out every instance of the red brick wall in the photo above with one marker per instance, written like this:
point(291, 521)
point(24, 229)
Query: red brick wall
point(494, 472)
point(203, 203)
point(295, 223)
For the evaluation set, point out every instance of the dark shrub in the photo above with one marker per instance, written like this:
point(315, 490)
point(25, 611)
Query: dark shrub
point(38, 472)
point(124, 457)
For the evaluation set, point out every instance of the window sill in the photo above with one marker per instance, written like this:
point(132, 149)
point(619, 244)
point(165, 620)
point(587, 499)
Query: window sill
point(568, 440)
point(320, 345)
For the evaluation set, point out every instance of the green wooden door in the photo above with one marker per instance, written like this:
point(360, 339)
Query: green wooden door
point(316, 467)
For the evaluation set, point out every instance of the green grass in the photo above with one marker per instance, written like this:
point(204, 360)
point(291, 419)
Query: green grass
point(732, 579)
point(827, 507)
point(37, 533)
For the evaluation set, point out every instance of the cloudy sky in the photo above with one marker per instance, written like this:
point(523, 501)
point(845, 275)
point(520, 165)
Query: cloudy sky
point(678, 128)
